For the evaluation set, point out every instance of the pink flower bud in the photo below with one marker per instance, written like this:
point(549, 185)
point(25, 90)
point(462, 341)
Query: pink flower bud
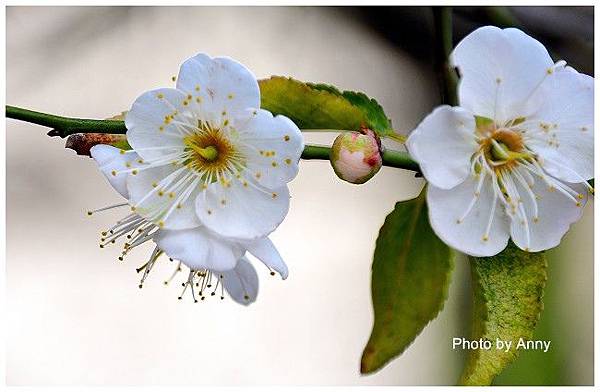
point(356, 156)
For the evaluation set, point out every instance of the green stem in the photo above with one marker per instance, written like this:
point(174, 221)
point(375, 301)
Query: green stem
point(65, 126)
point(447, 78)
point(502, 17)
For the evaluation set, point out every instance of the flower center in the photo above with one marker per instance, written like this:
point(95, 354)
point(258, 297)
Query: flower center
point(504, 147)
point(209, 152)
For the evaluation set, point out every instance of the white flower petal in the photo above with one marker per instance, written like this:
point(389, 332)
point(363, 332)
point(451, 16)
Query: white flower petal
point(443, 144)
point(562, 130)
point(199, 249)
point(500, 69)
point(555, 214)
point(447, 207)
point(242, 209)
point(271, 145)
point(151, 193)
point(222, 85)
point(264, 250)
point(241, 282)
point(115, 163)
point(157, 122)
point(189, 246)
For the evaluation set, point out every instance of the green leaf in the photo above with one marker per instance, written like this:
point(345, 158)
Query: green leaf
point(507, 291)
point(321, 106)
point(409, 283)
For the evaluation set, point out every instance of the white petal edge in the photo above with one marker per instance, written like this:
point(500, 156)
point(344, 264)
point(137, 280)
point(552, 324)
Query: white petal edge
point(242, 212)
point(264, 250)
point(499, 70)
point(199, 249)
point(443, 144)
point(155, 123)
point(241, 283)
point(556, 214)
point(220, 84)
point(562, 130)
point(271, 145)
point(447, 206)
point(113, 163)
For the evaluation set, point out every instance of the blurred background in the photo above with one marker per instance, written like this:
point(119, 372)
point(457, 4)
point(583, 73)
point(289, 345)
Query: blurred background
point(76, 316)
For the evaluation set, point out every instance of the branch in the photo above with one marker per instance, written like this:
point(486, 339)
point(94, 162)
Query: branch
point(65, 126)
point(447, 77)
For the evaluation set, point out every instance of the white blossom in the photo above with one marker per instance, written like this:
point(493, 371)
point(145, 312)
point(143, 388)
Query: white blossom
point(512, 160)
point(206, 178)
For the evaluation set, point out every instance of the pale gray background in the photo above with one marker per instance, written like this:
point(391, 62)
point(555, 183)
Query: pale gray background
point(76, 316)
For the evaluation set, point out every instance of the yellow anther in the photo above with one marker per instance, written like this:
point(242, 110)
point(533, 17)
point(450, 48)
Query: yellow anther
point(114, 172)
point(121, 151)
point(274, 164)
point(161, 224)
point(173, 78)
point(274, 195)
point(223, 201)
point(485, 238)
point(134, 172)
point(288, 161)
point(230, 96)
point(171, 195)
point(197, 88)
point(161, 193)
point(286, 138)
point(160, 96)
